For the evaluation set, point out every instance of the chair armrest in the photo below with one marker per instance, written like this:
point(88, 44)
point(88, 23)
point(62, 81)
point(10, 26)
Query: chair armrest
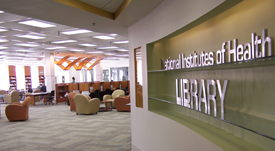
point(106, 97)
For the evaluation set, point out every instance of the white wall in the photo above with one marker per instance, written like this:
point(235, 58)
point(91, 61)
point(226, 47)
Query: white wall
point(4, 77)
point(150, 131)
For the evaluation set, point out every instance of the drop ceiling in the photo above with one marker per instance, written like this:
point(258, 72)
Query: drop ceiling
point(25, 43)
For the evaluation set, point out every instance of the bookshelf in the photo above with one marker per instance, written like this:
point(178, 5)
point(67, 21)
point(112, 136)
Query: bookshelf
point(41, 75)
point(12, 78)
point(61, 90)
point(28, 81)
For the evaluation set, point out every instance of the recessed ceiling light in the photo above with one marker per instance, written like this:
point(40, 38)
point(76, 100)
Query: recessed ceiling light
point(3, 40)
point(122, 55)
point(110, 47)
point(113, 34)
point(30, 36)
point(122, 50)
point(27, 45)
point(109, 54)
point(104, 37)
point(94, 52)
point(63, 41)
point(22, 50)
point(57, 47)
point(37, 24)
point(77, 50)
point(3, 47)
point(78, 31)
point(87, 45)
point(2, 11)
point(121, 42)
point(2, 29)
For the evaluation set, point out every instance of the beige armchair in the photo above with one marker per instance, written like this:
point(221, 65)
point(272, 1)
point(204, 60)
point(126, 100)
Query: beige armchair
point(116, 93)
point(13, 97)
point(85, 106)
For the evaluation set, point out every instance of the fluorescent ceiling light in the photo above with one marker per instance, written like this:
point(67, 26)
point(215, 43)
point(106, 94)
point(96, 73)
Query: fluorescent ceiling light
point(22, 50)
point(110, 47)
point(27, 45)
point(104, 37)
point(63, 41)
point(30, 36)
point(3, 40)
point(121, 42)
point(113, 34)
point(37, 24)
point(122, 50)
point(123, 55)
point(94, 52)
point(87, 45)
point(78, 31)
point(2, 11)
point(3, 47)
point(57, 47)
point(2, 29)
point(109, 54)
point(77, 50)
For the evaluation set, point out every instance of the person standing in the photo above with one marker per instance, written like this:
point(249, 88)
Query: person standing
point(73, 80)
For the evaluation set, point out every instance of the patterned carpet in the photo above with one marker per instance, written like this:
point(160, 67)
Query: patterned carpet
point(56, 128)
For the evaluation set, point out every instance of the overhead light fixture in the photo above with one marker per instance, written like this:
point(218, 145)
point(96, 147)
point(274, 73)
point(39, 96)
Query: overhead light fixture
point(122, 55)
point(22, 50)
point(2, 29)
point(109, 54)
point(1, 12)
point(87, 45)
point(78, 31)
point(36, 23)
point(57, 47)
point(110, 47)
point(63, 41)
point(94, 52)
point(77, 50)
point(104, 37)
point(3, 47)
point(27, 45)
point(30, 36)
point(3, 40)
point(122, 50)
point(121, 42)
point(113, 34)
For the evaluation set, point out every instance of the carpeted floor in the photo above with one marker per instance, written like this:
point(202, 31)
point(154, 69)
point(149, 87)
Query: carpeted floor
point(56, 128)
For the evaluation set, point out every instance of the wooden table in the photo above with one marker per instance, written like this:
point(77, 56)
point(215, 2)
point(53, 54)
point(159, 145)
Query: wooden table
point(105, 108)
point(32, 95)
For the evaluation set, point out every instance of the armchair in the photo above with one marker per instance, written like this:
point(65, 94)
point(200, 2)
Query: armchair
point(71, 100)
point(2, 92)
point(13, 97)
point(116, 93)
point(120, 103)
point(17, 111)
point(85, 106)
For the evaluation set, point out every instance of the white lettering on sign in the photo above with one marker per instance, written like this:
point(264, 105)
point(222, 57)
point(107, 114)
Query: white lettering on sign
point(187, 94)
point(258, 48)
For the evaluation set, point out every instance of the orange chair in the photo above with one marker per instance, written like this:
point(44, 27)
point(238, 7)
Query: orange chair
point(71, 100)
point(17, 111)
point(120, 103)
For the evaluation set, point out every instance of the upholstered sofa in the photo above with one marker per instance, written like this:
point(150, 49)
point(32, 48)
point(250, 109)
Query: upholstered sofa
point(13, 97)
point(116, 93)
point(18, 111)
point(122, 103)
point(85, 106)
